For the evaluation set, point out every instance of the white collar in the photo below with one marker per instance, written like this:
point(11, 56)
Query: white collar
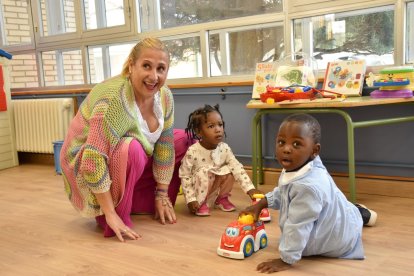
point(287, 177)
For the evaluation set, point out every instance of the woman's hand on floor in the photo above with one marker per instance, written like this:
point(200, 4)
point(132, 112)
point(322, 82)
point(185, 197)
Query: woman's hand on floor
point(163, 209)
point(120, 229)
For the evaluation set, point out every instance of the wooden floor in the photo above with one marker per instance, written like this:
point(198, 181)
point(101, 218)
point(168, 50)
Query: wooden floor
point(41, 234)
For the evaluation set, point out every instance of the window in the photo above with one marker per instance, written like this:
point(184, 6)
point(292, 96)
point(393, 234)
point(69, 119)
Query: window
point(164, 14)
point(15, 27)
point(87, 41)
point(23, 71)
point(236, 51)
point(62, 67)
point(410, 33)
point(102, 14)
point(57, 17)
point(185, 57)
point(364, 34)
point(107, 61)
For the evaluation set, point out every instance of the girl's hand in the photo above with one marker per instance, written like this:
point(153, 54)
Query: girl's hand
point(254, 191)
point(193, 206)
point(164, 209)
point(120, 229)
point(273, 266)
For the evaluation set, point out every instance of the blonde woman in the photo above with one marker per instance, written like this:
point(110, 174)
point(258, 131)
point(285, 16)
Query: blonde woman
point(120, 152)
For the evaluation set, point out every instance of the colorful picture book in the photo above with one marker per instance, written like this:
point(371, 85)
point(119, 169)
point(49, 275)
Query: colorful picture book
point(295, 75)
point(275, 74)
point(345, 77)
point(265, 75)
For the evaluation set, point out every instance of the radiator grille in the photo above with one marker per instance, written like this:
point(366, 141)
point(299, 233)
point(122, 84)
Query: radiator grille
point(40, 122)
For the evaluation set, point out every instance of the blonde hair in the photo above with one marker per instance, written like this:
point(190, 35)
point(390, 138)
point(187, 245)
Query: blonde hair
point(146, 43)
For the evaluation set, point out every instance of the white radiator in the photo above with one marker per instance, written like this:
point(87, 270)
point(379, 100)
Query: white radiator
point(40, 122)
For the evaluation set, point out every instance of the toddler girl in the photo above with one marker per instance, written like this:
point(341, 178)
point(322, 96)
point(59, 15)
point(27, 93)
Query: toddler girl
point(209, 168)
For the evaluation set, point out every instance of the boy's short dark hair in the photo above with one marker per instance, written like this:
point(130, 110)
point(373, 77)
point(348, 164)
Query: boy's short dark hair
point(308, 120)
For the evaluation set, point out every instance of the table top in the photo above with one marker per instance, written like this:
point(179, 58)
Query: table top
point(348, 102)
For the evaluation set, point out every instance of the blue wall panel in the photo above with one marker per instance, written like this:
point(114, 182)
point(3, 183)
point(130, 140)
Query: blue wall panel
point(380, 150)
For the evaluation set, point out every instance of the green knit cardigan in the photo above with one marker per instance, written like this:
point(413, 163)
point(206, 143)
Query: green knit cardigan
point(94, 154)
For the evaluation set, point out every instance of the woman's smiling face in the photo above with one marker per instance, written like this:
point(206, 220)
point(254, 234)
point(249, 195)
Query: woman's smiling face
point(149, 72)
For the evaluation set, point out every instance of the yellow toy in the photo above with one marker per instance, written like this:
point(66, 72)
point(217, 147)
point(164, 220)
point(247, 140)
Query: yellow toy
point(396, 78)
point(246, 219)
point(394, 82)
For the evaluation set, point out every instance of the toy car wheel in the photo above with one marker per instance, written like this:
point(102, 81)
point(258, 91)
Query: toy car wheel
point(263, 241)
point(248, 248)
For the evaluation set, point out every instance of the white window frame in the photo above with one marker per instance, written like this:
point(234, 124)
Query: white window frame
point(342, 7)
point(152, 20)
point(131, 32)
point(59, 64)
point(225, 43)
point(20, 48)
point(81, 35)
point(408, 35)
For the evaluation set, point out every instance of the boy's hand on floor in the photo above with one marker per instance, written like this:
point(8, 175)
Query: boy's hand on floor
point(273, 266)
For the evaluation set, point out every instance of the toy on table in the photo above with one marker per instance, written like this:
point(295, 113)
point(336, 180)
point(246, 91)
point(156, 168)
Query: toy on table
point(296, 92)
point(242, 238)
point(394, 82)
point(264, 214)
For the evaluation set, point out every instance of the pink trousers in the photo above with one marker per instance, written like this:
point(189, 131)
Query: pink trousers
point(139, 194)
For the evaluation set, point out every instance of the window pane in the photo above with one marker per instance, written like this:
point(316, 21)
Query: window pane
point(107, 61)
point(245, 49)
point(186, 12)
point(410, 33)
point(366, 34)
point(96, 66)
point(14, 23)
point(185, 58)
point(23, 71)
point(62, 67)
point(58, 17)
point(102, 14)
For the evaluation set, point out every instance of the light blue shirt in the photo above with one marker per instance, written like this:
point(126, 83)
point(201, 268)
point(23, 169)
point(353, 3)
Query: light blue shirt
point(315, 217)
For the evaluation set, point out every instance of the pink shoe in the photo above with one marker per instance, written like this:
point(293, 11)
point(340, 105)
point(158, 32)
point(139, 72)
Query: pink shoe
point(203, 211)
point(224, 204)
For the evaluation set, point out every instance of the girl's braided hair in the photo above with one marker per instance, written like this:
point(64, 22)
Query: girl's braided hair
point(199, 116)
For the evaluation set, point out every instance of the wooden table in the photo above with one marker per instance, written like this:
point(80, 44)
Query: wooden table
point(335, 107)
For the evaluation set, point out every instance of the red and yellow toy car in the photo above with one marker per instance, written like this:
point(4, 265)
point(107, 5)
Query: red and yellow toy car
point(242, 238)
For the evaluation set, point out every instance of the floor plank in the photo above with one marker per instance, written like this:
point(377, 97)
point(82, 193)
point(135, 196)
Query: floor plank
point(41, 234)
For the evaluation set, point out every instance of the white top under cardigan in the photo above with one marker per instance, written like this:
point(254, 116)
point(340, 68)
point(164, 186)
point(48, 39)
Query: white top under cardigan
point(152, 137)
